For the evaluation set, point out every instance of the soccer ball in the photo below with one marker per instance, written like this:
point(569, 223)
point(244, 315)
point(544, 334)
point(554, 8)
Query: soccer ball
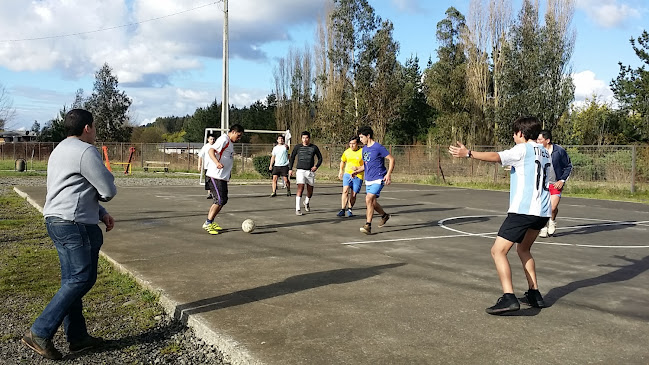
point(248, 225)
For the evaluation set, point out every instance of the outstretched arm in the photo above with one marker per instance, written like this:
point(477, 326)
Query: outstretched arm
point(460, 150)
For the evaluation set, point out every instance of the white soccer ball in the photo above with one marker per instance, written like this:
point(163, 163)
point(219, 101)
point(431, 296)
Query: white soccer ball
point(248, 225)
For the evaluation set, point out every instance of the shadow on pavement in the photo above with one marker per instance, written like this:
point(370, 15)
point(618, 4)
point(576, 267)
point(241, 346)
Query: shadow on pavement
point(291, 285)
point(623, 273)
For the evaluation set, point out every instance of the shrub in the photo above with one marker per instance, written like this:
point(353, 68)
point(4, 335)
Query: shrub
point(261, 165)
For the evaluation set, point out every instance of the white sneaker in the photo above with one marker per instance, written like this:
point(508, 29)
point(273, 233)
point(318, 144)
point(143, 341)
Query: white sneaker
point(307, 207)
point(552, 227)
point(297, 212)
point(544, 232)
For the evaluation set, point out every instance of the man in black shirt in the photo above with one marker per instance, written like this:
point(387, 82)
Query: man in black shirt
point(306, 168)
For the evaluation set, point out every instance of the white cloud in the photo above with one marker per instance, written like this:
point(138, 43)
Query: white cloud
point(150, 59)
point(608, 13)
point(147, 53)
point(587, 86)
point(407, 6)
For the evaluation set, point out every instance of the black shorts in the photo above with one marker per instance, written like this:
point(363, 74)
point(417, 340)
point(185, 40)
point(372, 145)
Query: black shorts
point(515, 226)
point(207, 179)
point(280, 170)
point(219, 190)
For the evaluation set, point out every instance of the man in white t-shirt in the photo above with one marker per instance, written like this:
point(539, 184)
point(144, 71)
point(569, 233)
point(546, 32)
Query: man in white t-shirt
point(219, 168)
point(203, 161)
point(279, 166)
point(529, 209)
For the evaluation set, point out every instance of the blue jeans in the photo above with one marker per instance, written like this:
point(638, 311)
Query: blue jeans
point(78, 247)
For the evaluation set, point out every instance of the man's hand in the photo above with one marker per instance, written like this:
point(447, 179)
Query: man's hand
point(313, 169)
point(387, 179)
point(219, 165)
point(108, 221)
point(458, 151)
point(340, 175)
point(559, 184)
point(290, 173)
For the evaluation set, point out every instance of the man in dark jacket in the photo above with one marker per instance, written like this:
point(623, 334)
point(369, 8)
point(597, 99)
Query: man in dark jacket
point(558, 174)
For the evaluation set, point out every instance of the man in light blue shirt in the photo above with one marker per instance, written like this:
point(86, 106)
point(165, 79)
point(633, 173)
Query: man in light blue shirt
point(529, 209)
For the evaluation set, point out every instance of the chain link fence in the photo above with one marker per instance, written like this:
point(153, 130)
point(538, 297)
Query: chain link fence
point(621, 165)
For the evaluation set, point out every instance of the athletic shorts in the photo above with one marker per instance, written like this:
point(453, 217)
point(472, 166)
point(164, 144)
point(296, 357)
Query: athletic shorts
point(515, 226)
point(305, 177)
point(280, 170)
point(355, 182)
point(554, 191)
point(207, 178)
point(374, 189)
point(219, 190)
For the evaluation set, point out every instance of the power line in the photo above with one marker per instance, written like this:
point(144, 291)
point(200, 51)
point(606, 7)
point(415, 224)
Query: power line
point(109, 28)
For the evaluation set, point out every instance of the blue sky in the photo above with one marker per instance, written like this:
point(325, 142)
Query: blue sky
point(173, 65)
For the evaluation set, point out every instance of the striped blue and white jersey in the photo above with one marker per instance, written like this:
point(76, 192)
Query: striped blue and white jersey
point(528, 190)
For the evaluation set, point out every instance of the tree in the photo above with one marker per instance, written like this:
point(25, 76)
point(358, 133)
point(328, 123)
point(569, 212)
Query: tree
point(36, 128)
point(382, 85)
point(631, 89)
point(445, 81)
point(147, 135)
point(54, 130)
point(293, 90)
point(535, 78)
point(109, 107)
point(7, 112)
point(209, 117)
point(415, 116)
point(354, 25)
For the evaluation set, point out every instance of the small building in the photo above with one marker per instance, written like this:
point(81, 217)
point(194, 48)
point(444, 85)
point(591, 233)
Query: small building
point(17, 136)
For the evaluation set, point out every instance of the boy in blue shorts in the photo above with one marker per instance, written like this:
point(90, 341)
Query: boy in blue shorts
point(529, 209)
point(376, 175)
point(350, 161)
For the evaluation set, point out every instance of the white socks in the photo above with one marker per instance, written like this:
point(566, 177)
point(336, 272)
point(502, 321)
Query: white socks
point(297, 201)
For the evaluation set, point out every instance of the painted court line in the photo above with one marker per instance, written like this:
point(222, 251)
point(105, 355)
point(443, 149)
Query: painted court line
point(492, 235)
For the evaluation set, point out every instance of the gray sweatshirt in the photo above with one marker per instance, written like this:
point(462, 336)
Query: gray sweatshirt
point(76, 181)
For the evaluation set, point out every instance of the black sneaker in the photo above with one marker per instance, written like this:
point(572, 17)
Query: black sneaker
point(341, 213)
point(41, 346)
point(87, 343)
point(274, 194)
point(209, 197)
point(367, 229)
point(288, 192)
point(384, 219)
point(506, 303)
point(533, 298)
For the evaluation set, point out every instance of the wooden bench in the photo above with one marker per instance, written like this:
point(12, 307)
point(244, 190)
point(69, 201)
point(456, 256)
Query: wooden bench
point(156, 165)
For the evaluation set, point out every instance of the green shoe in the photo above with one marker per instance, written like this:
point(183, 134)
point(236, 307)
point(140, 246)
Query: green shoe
point(211, 228)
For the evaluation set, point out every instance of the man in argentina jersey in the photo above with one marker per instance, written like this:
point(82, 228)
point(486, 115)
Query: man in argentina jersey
point(529, 209)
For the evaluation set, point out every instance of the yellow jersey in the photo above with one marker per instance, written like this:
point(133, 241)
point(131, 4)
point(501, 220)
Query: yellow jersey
point(352, 159)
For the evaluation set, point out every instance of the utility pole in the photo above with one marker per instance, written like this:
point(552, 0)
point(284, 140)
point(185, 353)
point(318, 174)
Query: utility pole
point(225, 104)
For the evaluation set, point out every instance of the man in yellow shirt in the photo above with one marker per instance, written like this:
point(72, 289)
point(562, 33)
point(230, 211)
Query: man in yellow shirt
point(351, 160)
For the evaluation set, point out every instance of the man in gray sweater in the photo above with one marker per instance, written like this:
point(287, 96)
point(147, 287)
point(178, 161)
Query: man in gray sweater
point(76, 181)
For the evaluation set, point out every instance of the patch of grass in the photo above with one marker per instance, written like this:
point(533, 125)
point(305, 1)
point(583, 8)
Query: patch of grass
point(30, 165)
point(172, 348)
point(30, 276)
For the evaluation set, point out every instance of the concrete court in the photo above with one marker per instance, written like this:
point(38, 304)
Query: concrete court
point(314, 290)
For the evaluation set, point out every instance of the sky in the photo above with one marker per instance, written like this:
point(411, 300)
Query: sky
point(167, 55)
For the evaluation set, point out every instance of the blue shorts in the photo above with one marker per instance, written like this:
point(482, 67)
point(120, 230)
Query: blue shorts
point(374, 189)
point(354, 182)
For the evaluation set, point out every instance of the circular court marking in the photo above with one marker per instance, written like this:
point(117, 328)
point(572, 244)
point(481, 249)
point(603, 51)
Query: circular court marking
point(442, 224)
